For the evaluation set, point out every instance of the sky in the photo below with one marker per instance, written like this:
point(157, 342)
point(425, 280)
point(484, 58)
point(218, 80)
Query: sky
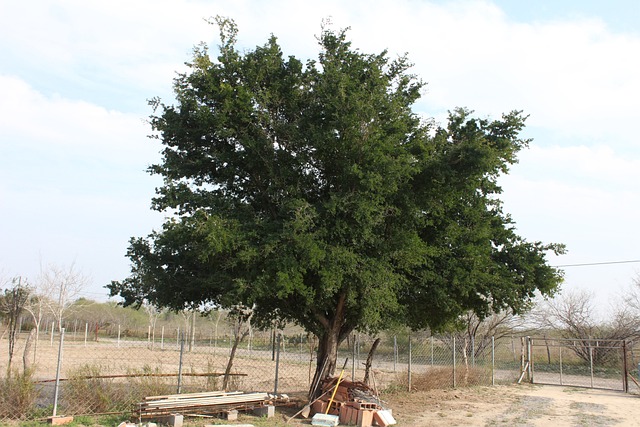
point(75, 77)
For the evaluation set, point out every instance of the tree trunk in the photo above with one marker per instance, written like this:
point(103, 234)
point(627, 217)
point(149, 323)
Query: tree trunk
point(227, 371)
point(239, 336)
point(335, 332)
point(26, 360)
point(367, 366)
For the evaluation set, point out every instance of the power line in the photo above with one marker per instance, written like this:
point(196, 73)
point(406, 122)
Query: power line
point(598, 263)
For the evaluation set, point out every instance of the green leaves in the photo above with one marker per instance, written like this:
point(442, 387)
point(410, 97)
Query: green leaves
point(312, 193)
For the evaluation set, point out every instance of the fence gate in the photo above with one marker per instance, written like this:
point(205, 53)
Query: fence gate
point(588, 363)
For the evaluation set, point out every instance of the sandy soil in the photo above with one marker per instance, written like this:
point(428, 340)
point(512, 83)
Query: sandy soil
point(523, 405)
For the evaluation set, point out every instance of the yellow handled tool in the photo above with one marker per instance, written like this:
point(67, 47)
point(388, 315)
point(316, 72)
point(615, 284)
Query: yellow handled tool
point(337, 384)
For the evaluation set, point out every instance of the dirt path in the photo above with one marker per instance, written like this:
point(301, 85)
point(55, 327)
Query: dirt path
point(525, 405)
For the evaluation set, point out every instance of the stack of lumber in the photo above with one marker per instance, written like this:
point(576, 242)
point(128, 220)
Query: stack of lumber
point(201, 403)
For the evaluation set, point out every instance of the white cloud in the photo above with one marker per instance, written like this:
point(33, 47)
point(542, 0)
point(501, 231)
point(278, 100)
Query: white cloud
point(72, 183)
point(586, 198)
point(74, 141)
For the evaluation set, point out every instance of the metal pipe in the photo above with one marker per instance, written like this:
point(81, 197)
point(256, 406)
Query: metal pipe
point(493, 360)
point(431, 350)
point(353, 359)
point(560, 365)
point(454, 362)
point(395, 352)
point(591, 363)
point(530, 357)
point(180, 363)
point(275, 386)
point(57, 387)
point(409, 365)
point(625, 379)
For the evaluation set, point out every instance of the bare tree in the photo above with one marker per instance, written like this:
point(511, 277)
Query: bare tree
point(480, 332)
point(574, 316)
point(37, 305)
point(62, 285)
point(152, 313)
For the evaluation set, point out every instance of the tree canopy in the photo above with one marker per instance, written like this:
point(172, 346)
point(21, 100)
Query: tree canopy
point(311, 192)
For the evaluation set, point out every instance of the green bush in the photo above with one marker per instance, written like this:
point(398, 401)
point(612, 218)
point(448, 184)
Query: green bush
point(18, 395)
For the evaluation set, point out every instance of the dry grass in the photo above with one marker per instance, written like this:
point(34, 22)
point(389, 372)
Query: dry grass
point(438, 378)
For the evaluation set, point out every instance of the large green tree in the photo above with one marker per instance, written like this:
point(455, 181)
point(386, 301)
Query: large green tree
point(311, 193)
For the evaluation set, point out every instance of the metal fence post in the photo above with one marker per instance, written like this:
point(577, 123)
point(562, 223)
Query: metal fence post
point(275, 386)
point(57, 387)
point(353, 359)
point(591, 362)
point(454, 361)
point(395, 352)
point(180, 363)
point(625, 379)
point(409, 365)
point(560, 364)
point(530, 358)
point(431, 350)
point(493, 360)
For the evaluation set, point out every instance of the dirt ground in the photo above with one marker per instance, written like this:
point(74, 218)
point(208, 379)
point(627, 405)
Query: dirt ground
point(523, 405)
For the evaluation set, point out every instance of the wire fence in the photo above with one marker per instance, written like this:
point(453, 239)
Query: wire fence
point(75, 375)
point(592, 363)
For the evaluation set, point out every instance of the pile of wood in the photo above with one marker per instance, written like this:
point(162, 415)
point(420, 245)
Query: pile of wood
point(354, 402)
point(214, 402)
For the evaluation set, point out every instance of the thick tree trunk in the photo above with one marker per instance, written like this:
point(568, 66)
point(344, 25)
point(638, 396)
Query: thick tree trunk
point(335, 332)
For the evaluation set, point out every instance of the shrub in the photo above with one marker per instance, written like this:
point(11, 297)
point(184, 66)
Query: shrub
point(18, 395)
point(87, 393)
point(147, 382)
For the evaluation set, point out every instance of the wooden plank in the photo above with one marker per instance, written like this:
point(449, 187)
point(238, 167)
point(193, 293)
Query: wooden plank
point(189, 395)
point(239, 397)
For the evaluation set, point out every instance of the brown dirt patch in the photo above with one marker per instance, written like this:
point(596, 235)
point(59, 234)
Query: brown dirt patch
point(524, 405)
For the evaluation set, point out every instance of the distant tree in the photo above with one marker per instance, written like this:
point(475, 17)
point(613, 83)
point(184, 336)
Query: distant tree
point(480, 332)
point(37, 306)
point(574, 316)
point(313, 194)
point(62, 286)
point(12, 305)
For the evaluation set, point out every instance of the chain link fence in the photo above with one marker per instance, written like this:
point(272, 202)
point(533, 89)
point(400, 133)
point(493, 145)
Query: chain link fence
point(592, 363)
point(100, 375)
